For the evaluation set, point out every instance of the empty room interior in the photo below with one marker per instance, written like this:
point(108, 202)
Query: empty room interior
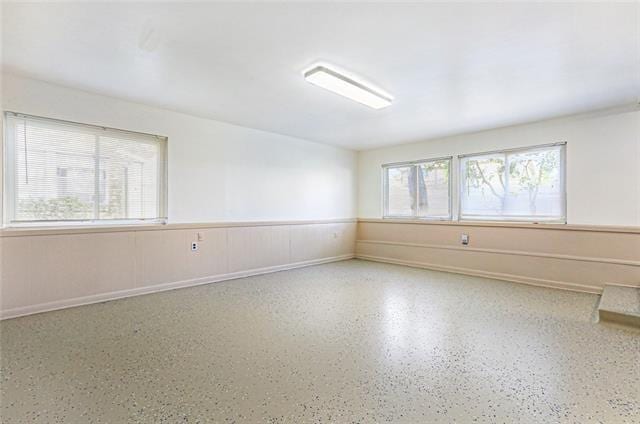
point(320, 212)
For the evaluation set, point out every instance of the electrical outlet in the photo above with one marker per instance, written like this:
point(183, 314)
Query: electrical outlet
point(464, 239)
point(194, 246)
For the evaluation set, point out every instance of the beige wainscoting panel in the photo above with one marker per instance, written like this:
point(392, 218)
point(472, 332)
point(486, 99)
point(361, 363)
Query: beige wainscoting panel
point(313, 241)
point(598, 244)
point(49, 269)
point(568, 257)
point(59, 267)
point(52, 269)
point(110, 261)
point(160, 257)
point(16, 272)
point(258, 247)
point(211, 258)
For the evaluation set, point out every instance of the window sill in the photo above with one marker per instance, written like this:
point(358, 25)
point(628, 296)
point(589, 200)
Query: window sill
point(48, 229)
point(414, 218)
point(507, 224)
point(450, 220)
point(87, 229)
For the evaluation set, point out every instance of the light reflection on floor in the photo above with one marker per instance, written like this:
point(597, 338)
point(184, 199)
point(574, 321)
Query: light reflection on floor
point(353, 341)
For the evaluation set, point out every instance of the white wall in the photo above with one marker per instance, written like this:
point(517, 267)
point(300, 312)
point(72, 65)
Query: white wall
point(603, 163)
point(223, 172)
point(217, 171)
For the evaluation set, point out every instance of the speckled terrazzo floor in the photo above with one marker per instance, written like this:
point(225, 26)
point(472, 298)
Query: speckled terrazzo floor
point(345, 342)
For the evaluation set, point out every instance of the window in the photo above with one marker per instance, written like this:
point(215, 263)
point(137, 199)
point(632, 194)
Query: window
point(59, 171)
point(519, 185)
point(418, 189)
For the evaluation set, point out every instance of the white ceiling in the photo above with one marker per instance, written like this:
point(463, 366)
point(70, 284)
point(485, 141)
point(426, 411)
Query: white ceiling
point(452, 68)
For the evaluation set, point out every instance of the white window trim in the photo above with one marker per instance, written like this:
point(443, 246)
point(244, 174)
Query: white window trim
point(506, 218)
point(9, 188)
point(385, 189)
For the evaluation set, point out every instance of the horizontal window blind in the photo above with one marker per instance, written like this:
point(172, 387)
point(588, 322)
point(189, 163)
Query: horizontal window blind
point(66, 172)
point(520, 185)
point(418, 189)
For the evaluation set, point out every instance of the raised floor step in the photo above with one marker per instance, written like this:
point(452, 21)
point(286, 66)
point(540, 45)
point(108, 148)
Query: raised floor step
point(620, 305)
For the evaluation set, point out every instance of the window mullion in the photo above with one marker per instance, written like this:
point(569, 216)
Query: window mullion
point(385, 192)
point(96, 202)
point(417, 194)
point(506, 184)
point(11, 177)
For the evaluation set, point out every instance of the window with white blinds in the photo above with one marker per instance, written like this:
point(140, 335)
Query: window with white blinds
point(418, 189)
point(519, 184)
point(59, 171)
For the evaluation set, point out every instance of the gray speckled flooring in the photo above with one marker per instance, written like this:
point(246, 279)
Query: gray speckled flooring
point(352, 341)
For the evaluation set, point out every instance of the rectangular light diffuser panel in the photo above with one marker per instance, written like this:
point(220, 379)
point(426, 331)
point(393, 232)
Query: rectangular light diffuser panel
point(340, 84)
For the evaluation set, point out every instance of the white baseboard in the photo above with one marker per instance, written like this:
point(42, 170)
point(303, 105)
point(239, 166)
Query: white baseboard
point(103, 297)
point(563, 285)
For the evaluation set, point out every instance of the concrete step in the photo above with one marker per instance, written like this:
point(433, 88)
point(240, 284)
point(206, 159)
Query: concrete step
point(620, 305)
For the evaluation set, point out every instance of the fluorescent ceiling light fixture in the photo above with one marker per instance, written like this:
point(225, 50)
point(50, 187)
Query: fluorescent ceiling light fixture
point(347, 87)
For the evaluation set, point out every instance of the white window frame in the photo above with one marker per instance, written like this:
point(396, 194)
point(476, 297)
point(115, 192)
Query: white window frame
point(415, 216)
point(563, 183)
point(9, 188)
